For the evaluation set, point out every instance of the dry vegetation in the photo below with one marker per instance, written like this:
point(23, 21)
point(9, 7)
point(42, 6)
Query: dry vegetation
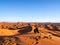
point(29, 33)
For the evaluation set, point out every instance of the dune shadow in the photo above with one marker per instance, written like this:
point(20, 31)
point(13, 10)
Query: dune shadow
point(54, 34)
point(25, 30)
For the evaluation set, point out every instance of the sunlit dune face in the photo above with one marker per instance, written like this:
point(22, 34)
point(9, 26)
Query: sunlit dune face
point(58, 27)
point(51, 27)
point(6, 32)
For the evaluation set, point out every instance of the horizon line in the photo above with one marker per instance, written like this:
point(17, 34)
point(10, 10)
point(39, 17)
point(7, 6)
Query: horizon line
point(25, 22)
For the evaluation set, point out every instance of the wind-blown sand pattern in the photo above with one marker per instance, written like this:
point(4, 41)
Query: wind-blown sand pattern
point(29, 33)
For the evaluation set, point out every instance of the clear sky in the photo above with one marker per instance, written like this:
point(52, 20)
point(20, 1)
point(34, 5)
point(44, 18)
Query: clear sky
point(29, 10)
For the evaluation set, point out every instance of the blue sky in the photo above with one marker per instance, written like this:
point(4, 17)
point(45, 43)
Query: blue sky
point(29, 10)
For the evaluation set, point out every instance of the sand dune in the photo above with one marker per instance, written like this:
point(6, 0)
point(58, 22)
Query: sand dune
point(29, 33)
point(6, 32)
